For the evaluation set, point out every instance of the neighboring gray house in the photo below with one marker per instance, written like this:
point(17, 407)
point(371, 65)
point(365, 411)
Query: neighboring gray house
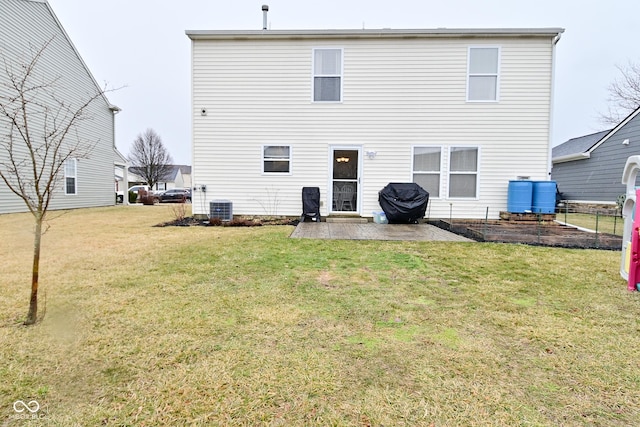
point(589, 169)
point(25, 26)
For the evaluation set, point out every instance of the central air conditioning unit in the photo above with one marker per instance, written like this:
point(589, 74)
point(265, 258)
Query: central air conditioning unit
point(221, 209)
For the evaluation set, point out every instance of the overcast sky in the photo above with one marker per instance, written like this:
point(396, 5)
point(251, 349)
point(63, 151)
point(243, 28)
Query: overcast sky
point(141, 45)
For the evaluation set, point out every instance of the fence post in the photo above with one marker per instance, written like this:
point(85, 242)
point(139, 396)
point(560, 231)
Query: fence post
point(539, 226)
point(597, 221)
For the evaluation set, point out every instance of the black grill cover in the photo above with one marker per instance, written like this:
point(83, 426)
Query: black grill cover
point(311, 203)
point(403, 202)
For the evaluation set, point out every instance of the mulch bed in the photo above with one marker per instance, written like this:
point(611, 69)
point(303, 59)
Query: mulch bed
point(236, 222)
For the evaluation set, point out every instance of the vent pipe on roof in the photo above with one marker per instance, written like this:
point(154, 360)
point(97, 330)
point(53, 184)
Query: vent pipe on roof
point(265, 9)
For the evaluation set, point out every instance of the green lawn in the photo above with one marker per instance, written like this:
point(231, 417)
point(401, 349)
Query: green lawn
point(602, 223)
point(152, 326)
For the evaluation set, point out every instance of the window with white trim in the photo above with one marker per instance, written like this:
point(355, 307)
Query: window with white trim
point(70, 176)
point(276, 159)
point(327, 75)
point(427, 168)
point(463, 172)
point(483, 73)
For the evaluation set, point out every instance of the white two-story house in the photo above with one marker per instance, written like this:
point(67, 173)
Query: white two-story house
point(459, 111)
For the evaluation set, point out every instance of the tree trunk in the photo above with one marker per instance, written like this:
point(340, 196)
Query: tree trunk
point(32, 316)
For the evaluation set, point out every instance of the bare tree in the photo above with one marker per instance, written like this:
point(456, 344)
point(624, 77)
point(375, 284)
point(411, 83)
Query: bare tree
point(38, 135)
point(624, 94)
point(151, 159)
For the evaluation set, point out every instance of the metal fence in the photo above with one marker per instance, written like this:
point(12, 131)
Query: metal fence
point(598, 218)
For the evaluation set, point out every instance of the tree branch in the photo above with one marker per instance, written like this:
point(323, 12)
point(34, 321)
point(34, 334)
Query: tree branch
point(624, 94)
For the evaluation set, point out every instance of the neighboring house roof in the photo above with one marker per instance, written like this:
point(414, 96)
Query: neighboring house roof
point(173, 174)
point(186, 170)
point(581, 147)
point(170, 177)
point(121, 160)
point(575, 147)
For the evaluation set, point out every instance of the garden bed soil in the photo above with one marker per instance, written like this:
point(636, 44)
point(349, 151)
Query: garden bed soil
point(543, 233)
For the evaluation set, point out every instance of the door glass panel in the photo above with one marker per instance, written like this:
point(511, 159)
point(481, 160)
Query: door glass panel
point(345, 180)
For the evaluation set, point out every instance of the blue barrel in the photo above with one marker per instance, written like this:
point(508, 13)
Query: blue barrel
point(544, 197)
point(519, 196)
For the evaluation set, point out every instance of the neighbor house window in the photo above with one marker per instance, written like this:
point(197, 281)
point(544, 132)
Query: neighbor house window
point(327, 75)
point(426, 169)
point(70, 176)
point(483, 73)
point(276, 159)
point(463, 172)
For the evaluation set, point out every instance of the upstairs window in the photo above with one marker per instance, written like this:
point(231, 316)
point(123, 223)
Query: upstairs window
point(70, 176)
point(483, 74)
point(327, 75)
point(276, 159)
point(426, 169)
point(463, 172)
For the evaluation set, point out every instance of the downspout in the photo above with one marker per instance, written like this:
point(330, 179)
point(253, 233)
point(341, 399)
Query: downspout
point(125, 184)
point(125, 167)
point(555, 41)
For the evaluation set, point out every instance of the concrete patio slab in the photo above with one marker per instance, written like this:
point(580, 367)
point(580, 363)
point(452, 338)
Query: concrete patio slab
point(373, 231)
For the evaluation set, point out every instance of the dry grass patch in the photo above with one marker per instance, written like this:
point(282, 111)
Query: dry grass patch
point(244, 326)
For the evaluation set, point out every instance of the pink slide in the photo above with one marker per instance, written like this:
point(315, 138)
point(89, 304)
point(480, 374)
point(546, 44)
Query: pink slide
point(634, 267)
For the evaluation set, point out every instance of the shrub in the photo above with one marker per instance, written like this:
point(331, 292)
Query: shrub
point(179, 211)
point(148, 199)
point(133, 197)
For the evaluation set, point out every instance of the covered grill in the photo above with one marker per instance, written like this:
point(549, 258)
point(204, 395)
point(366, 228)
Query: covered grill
point(403, 202)
point(310, 203)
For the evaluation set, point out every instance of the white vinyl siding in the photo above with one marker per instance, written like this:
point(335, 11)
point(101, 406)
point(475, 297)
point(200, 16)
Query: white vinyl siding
point(427, 166)
point(327, 75)
point(70, 177)
point(276, 159)
point(483, 74)
point(397, 94)
point(463, 172)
